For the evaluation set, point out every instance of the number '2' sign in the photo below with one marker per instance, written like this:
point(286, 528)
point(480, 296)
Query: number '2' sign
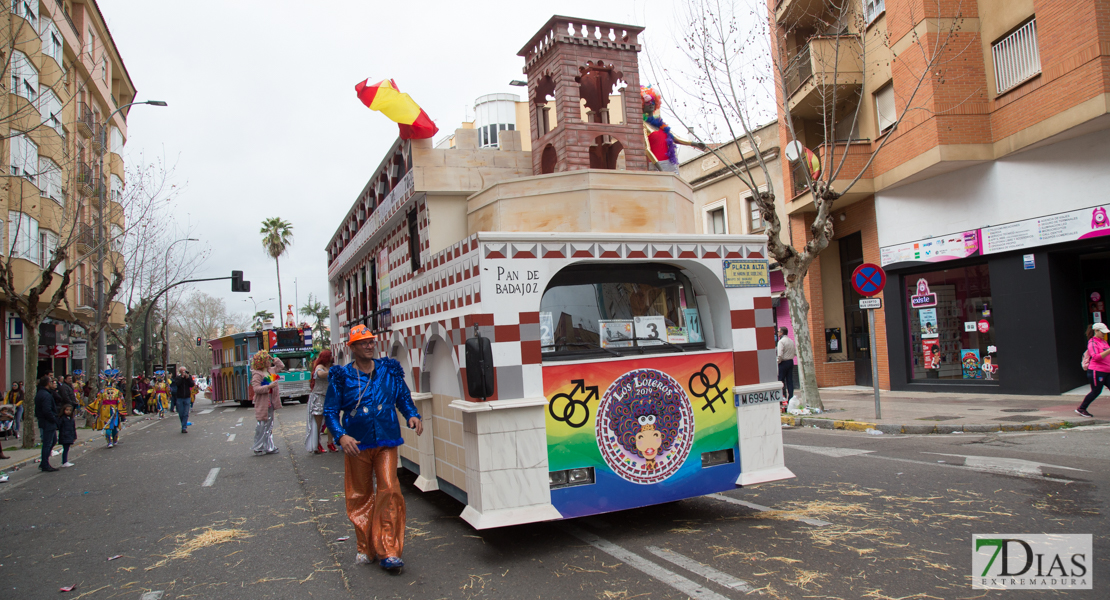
point(650, 328)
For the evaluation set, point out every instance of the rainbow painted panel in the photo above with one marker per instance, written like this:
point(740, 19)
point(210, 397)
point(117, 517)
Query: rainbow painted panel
point(643, 426)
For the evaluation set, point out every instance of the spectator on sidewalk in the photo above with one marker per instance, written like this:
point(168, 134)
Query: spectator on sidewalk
point(67, 432)
point(14, 397)
point(46, 411)
point(786, 351)
point(1098, 351)
point(183, 385)
point(65, 390)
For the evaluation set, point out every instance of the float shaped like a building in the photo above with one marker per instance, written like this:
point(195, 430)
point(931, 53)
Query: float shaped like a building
point(634, 360)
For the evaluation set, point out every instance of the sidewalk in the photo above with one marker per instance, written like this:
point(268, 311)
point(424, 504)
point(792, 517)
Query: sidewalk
point(22, 459)
point(853, 408)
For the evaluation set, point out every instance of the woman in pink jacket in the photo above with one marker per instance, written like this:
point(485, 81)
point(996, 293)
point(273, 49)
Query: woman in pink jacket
point(1099, 352)
point(267, 399)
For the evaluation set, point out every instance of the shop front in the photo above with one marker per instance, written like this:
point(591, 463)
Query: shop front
point(1000, 309)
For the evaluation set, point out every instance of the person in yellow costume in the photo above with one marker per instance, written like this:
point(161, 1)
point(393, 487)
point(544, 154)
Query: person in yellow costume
point(107, 408)
point(162, 397)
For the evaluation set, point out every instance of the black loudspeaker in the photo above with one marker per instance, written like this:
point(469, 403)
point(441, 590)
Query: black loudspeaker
point(479, 367)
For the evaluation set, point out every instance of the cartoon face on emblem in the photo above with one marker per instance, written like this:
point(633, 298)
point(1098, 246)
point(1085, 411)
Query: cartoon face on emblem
point(922, 287)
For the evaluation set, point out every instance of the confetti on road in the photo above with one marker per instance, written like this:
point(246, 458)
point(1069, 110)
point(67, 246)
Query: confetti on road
point(68, 588)
point(343, 539)
point(115, 557)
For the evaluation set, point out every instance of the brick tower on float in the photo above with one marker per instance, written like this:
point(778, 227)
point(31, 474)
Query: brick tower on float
point(574, 60)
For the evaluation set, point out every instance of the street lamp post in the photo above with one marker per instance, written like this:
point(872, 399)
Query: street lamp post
point(101, 319)
point(166, 313)
point(251, 298)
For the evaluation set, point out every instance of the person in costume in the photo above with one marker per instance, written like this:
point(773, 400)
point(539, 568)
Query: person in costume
point(106, 407)
point(161, 396)
point(369, 393)
point(265, 384)
point(318, 389)
point(660, 141)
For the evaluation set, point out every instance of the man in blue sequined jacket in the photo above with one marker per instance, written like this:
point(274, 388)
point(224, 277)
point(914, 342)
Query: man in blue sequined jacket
point(369, 393)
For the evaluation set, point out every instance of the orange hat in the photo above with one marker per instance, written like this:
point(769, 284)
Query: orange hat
point(359, 332)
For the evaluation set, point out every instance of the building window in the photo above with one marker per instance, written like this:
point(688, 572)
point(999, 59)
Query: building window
point(414, 241)
point(24, 156)
point(23, 236)
point(873, 8)
point(117, 238)
point(52, 41)
point(884, 107)
point(951, 325)
point(26, 9)
point(1016, 57)
point(755, 216)
point(25, 77)
point(117, 140)
point(117, 188)
point(50, 180)
point(50, 110)
point(716, 217)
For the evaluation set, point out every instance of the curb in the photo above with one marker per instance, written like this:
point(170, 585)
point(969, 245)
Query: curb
point(923, 429)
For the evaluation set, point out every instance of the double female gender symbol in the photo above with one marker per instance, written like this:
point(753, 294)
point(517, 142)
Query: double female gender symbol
point(708, 380)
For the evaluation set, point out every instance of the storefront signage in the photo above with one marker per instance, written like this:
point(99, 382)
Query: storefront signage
point(969, 326)
point(969, 364)
point(78, 351)
point(923, 297)
point(1050, 229)
point(746, 273)
point(984, 326)
point(1029, 262)
point(759, 397)
point(948, 247)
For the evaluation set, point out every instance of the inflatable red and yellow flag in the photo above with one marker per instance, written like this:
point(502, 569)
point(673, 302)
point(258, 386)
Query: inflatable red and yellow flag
point(400, 108)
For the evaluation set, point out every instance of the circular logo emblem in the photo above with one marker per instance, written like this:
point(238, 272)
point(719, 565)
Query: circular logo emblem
point(645, 426)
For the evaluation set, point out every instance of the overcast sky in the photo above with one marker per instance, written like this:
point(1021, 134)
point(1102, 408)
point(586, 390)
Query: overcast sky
point(263, 120)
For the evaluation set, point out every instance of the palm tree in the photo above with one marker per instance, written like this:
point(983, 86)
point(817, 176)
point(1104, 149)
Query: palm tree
point(319, 311)
point(277, 236)
point(261, 316)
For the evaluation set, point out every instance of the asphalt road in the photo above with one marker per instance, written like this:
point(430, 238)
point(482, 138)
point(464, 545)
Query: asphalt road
point(867, 517)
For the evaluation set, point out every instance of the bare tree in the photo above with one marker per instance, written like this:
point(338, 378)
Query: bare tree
point(199, 316)
point(745, 62)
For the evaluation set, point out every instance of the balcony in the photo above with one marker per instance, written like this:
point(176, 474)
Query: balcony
point(85, 296)
point(86, 179)
point(86, 126)
point(97, 142)
point(85, 238)
point(800, 13)
point(828, 69)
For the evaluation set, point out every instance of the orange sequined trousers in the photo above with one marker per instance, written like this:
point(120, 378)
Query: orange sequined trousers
point(375, 505)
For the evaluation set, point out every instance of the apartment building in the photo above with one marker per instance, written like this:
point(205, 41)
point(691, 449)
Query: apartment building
point(65, 79)
point(982, 204)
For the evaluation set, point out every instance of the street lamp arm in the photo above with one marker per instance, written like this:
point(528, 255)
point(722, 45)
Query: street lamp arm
point(150, 102)
point(153, 303)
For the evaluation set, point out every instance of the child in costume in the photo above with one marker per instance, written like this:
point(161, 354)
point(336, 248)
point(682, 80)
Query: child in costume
point(161, 397)
point(106, 407)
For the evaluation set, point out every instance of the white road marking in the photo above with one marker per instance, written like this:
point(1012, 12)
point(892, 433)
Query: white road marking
point(963, 468)
point(227, 410)
point(155, 595)
point(208, 481)
point(231, 438)
point(829, 450)
point(204, 412)
point(240, 420)
point(644, 565)
point(992, 464)
point(761, 508)
point(704, 570)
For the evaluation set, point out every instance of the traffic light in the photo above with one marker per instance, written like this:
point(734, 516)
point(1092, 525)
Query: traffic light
point(237, 283)
point(198, 341)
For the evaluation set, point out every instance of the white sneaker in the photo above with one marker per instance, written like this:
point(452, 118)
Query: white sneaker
point(362, 559)
point(67, 464)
